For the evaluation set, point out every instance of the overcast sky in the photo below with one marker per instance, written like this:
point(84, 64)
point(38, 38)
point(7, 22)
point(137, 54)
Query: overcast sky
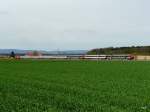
point(73, 24)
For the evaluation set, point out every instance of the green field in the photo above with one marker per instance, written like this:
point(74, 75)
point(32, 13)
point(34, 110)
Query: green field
point(74, 86)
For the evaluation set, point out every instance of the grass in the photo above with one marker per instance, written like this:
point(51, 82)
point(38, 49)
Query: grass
point(74, 86)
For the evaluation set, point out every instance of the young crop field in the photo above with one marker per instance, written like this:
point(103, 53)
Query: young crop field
point(74, 86)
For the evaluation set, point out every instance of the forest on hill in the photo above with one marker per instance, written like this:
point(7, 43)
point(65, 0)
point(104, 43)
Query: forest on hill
point(136, 50)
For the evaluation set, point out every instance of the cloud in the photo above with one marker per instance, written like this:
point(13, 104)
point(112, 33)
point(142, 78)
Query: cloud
point(74, 24)
point(4, 12)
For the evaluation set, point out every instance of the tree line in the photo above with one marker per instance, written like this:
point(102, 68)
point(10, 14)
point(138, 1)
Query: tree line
point(135, 50)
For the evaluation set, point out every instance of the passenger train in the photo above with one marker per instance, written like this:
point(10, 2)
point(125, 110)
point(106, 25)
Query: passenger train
point(80, 57)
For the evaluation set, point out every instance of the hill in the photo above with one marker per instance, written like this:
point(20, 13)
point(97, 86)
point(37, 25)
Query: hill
point(139, 50)
point(22, 52)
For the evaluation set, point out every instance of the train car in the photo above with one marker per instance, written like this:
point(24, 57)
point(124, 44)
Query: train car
point(121, 57)
point(75, 57)
point(43, 57)
point(94, 57)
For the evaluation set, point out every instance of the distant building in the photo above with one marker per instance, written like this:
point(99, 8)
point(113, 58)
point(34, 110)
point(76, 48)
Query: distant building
point(142, 58)
point(34, 53)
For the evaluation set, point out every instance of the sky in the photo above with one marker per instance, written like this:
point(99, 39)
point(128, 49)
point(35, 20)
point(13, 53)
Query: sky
point(73, 24)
